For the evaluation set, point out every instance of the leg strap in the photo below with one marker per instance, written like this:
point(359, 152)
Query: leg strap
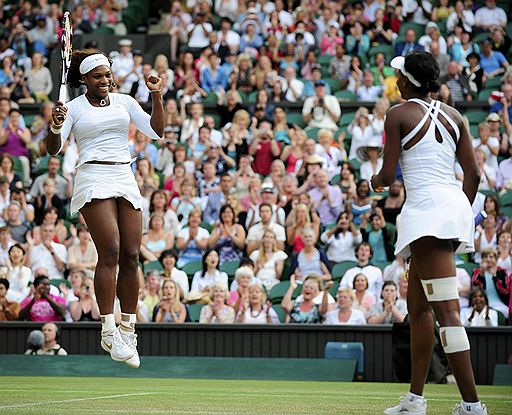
point(454, 339)
point(441, 289)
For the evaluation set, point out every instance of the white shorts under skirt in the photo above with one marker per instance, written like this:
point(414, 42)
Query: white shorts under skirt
point(102, 181)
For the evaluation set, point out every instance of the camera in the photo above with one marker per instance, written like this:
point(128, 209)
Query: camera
point(321, 101)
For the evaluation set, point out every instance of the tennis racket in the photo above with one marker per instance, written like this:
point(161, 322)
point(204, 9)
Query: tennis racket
point(66, 50)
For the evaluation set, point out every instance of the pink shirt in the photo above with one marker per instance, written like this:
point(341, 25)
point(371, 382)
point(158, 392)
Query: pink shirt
point(42, 310)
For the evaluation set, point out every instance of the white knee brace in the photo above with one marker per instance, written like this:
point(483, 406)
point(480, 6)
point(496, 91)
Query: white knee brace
point(454, 339)
point(441, 289)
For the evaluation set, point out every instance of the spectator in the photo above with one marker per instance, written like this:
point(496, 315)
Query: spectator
point(309, 86)
point(380, 29)
point(442, 59)
point(7, 170)
point(371, 155)
point(239, 295)
point(378, 237)
point(9, 310)
point(168, 259)
point(292, 87)
point(48, 254)
point(492, 62)
point(504, 176)
point(175, 24)
point(192, 240)
point(298, 219)
point(327, 199)
point(199, 31)
point(328, 149)
point(458, 84)
point(358, 42)
point(342, 239)
point(216, 199)
point(51, 216)
point(227, 40)
point(310, 260)
point(159, 203)
point(345, 313)
point(409, 45)
point(264, 149)
point(391, 204)
point(490, 15)
point(362, 131)
point(361, 205)
point(48, 200)
point(7, 72)
point(42, 37)
point(391, 309)
point(228, 238)
point(5, 193)
point(170, 309)
point(250, 41)
point(18, 275)
point(494, 121)
point(39, 79)
point(330, 39)
point(373, 273)
point(184, 204)
point(506, 101)
point(190, 128)
point(363, 299)
point(501, 41)
point(339, 64)
point(63, 187)
point(485, 236)
point(218, 311)
point(242, 76)
point(210, 275)
point(17, 228)
point(505, 251)
point(494, 280)
point(433, 34)
point(321, 110)
point(41, 305)
point(15, 139)
point(478, 314)
point(305, 311)
point(492, 207)
point(460, 17)
point(258, 310)
point(85, 308)
point(268, 260)
point(50, 346)
point(489, 145)
point(487, 173)
point(462, 47)
point(156, 239)
point(214, 78)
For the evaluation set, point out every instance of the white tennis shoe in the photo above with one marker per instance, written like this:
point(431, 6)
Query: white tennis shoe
point(112, 342)
point(130, 339)
point(408, 407)
point(460, 410)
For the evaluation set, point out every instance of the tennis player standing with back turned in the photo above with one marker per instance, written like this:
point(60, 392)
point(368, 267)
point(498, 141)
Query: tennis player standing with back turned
point(436, 222)
point(105, 190)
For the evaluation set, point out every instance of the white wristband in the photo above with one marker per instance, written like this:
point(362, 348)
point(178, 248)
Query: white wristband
point(55, 130)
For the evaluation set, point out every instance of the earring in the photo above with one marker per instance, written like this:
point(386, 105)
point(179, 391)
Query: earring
point(113, 84)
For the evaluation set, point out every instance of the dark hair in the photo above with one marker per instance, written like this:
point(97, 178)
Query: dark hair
point(81, 228)
point(205, 267)
point(365, 278)
point(151, 201)
point(265, 204)
point(425, 69)
point(359, 183)
point(39, 279)
point(385, 285)
point(14, 110)
point(475, 291)
point(19, 246)
point(166, 253)
point(5, 283)
point(246, 261)
point(74, 75)
point(496, 203)
point(338, 231)
point(223, 209)
point(364, 244)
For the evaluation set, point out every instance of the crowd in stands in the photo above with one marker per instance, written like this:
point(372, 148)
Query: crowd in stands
point(255, 213)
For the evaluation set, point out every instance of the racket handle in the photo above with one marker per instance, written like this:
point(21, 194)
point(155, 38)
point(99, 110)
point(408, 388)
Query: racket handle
point(63, 93)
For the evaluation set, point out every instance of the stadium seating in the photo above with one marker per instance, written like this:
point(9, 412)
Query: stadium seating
point(339, 269)
point(346, 351)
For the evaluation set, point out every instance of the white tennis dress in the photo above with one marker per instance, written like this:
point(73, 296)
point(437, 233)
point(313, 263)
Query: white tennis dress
point(435, 205)
point(101, 134)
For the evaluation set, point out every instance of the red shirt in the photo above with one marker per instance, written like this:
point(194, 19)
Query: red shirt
point(263, 158)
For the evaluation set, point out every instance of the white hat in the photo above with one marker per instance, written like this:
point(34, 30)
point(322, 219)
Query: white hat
point(125, 42)
point(398, 62)
point(267, 188)
point(374, 142)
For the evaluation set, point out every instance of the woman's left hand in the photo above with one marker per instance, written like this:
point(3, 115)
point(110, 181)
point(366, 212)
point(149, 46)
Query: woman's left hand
point(154, 83)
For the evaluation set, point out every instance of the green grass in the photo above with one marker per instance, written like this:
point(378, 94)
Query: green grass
point(59, 395)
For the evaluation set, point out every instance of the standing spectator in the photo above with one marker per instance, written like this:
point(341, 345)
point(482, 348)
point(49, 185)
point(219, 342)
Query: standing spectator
point(42, 37)
point(490, 15)
point(217, 199)
point(122, 65)
point(198, 32)
point(228, 238)
point(363, 299)
point(42, 306)
point(391, 309)
point(327, 199)
point(49, 254)
point(50, 346)
point(342, 239)
point(170, 309)
point(175, 24)
point(378, 237)
point(192, 240)
point(345, 313)
point(15, 139)
point(474, 72)
point(321, 110)
point(48, 200)
point(358, 42)
point(218, 311)
point(292, 87)
point(458, 84)
point(264, 149)
point(214, 79)
point(268, 260)
point(478, 314)
point(362, 131)
point(339, 64)
point(9, 310)
point(39, 78)
point(460, 17)
point(410, 44)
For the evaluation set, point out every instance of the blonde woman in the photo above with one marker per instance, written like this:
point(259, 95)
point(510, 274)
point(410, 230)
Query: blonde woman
point(239, 297)
point(268, 260)
point(361, 130)
point(146, 178)
point(162, 65)
point(253, 199)
point(277, 172)
point(243, 175)
point(345, 312)
point(242, 75)
point(170, 309)
point(258, 311)
point(298, 219)
point(172, 116)
point(190, 128)
point(157, 239)
point(218, 311)
point(243, 120)
point(39, 78)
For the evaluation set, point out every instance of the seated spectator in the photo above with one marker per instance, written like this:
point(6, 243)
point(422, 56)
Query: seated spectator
point(362, 131)
point(504, 176)
point(490, 15)
point(184, 204)
point(462, 48)
point(309, 86)
point(151, 292)
point(372, 273)
point(391, 309)
point(494, 280)
point(505, 251)
point(328, 149)
point(18, 275)
point(496, 130)
point(159, 204)
point(258, 310)
point(170, 309)
point(321, 110)
point(433, 34)
point(342, 239)
point(242, 77)
point(192, 240)
point(391, 204)
point(442, 59)
point(488, 144)
point(62, 235)
point(345, 312)
point(408, 45)
point(146, 153)
point(395, 270)
point(9, 310)
point(156, 239)
point(487, 173)
point(85, 308)
point(5, 243)
point(269, 197)
point(146, 178)
point(340, 63)
point(361, 205)
point(50, 346)
point(7, 170)
point(239, 294)
point(168, 259)
point(26, 209)
point(218, 311)
point(460, 17)
point(214, 79)
point(63, 186)
point(486, 236)
point(378, 237)
point(492, 62)
point(70, 293)
point(268, 260)
point(311, 61)
point(492, 207)
point(210, 275)
point(310, 260)
point(255, 233)
point(264, 149)
point(367, 90)
point(501, 41)
point(363, 300)
point(305, 311)
point(478, 314)
point(190, 128)
point(228, 237)
point(371, 155)
point(48, 254)
point(47, 200)
point(358, 42)
point(380, 30)
point(41, 305)
point(298, 219)
point(292, 87)
point(330, 39)
point(347, 181)
point(326, 199)
point(457, 83)
point(251, 41)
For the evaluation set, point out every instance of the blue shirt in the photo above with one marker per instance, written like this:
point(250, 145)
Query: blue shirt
point(493, 62)
point(376, 240)
point(213, 82)
point(309, 89)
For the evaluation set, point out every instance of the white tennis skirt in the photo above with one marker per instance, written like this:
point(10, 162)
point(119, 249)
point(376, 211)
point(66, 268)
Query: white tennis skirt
point(102, 181)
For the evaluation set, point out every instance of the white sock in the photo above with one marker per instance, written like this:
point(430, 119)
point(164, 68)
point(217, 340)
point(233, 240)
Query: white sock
point(412, 397)
point(471, 406)
point(108, 323)
point(128, 322)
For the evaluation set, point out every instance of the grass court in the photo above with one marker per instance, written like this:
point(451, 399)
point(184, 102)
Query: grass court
point(79, 395)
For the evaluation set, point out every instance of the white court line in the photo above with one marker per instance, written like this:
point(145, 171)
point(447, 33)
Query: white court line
point(21, 405)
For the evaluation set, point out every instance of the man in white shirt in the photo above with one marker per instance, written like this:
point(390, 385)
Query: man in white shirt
point(372, 273)
point(490, 15)
point(291, 86)
point(368, 91)
point(227, 37)
point(255, 234)
point(122, 65)
point(267, 197)
point(49, 254)
point(199, 32)
point(321, 110)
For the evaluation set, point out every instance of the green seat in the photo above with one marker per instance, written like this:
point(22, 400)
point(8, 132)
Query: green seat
point(473, 129)
point(211, 98)
point(103, 30)
point(493, 83)
point(483, 95)
point(502, 321)
point(230, 267)
point(417, 27)
point(334, 289)
point(356, 164)
point(335, 180)
point(387, 50)
point(192, 267)
point(153, 266)
point(339, 269)
point(481, 37)
point(324, 59)
point(475, 117)
point(251, 99)
point(346, 118)
point(194, 312)
point(507, 211)
point(42, 164)
point(244, 96)
point(216, 119)
point(29, 119)
point(506, 199)
point(313, 133)
point(468, 266)
point(287, 270)
point(296, 118)
point(278, 291)
point(335, 84)
point(18, 168)
point(207, 226)
point(280, 312)
point(345, 96)
point(58, 281)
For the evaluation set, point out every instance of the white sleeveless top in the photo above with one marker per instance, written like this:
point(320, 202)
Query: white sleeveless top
point(435, 204)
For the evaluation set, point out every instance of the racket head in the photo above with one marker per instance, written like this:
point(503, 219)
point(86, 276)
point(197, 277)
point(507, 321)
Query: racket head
point(66, 52)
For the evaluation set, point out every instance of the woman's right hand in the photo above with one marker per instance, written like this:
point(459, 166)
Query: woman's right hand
point(59, 113)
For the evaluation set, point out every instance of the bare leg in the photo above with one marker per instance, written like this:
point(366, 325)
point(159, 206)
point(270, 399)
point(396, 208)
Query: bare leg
point(422, 331)
point(130, 231)
point(433, 258)
point(101, 219)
